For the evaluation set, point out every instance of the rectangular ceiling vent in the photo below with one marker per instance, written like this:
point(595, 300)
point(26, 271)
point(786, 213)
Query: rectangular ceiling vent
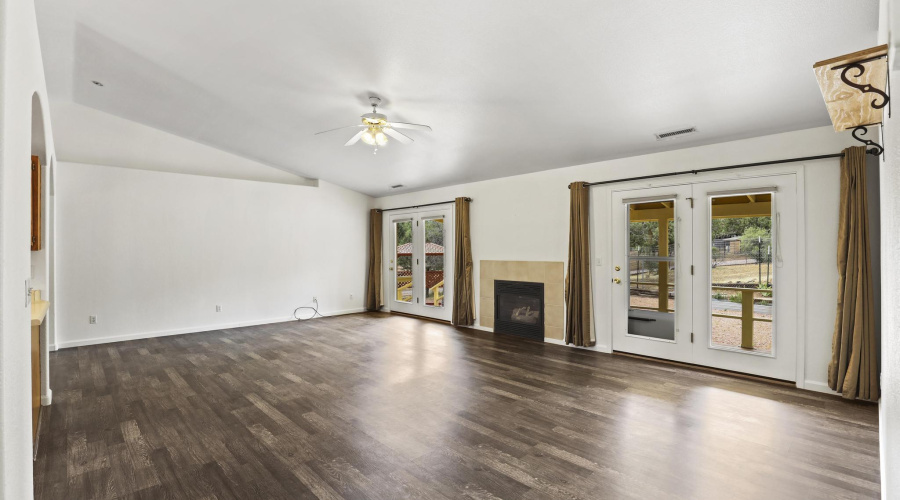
point(395, 186)
point(662, 136)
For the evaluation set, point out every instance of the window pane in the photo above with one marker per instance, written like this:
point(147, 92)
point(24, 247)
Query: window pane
point(434, 262)
point(742, 283)
point(651, 269)
point(403, 269)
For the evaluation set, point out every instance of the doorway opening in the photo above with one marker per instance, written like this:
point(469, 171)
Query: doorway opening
point(700, 270)
point(419, 267)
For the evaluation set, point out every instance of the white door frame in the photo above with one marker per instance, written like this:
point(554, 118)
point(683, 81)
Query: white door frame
point(603, 229)
point(447, 212)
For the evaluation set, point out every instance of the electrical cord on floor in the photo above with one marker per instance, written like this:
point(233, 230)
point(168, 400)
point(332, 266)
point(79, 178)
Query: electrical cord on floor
point(314, 309)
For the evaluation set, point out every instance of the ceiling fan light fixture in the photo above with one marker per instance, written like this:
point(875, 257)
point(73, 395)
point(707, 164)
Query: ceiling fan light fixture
point(369, 137)
point(375, 129)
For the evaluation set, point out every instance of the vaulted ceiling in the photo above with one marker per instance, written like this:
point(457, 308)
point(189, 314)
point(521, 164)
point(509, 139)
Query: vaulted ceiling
point(509, 86)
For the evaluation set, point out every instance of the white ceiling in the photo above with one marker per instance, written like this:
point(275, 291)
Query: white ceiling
point(509, 86)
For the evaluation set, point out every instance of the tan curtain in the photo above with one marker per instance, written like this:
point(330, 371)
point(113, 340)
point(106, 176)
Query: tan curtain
point(579, 330)
point(853, 370)
point(374, 293)
point(463, 289)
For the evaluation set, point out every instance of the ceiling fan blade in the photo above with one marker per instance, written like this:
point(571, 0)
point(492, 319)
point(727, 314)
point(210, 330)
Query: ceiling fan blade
point(353, 140)
point(397, 135)
point(413, 126)
point(339, 128)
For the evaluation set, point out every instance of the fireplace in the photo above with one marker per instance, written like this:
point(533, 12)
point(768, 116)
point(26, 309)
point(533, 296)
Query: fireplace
point(519, 308)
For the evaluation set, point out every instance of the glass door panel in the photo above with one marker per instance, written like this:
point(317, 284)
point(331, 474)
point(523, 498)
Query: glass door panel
point(651, 269)
point(434, 262)
point(403, 259)
point(741, 285)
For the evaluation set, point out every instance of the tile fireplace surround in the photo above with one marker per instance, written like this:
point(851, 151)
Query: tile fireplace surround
point(551, 274)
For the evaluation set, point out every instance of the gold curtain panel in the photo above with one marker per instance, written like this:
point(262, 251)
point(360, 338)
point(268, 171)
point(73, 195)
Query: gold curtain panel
point(374, 292)
point(850, 107)
point(463, 313)
point(853, 370)
point(579, 303)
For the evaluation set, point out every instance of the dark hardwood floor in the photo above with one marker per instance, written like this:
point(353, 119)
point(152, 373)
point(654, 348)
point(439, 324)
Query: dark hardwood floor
point(389, 407)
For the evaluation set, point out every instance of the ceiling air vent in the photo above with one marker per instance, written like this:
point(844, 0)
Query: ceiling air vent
point(396, 186)
point(662, 136)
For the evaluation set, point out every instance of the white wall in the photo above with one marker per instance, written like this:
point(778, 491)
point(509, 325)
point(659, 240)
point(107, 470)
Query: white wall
point(526, 218)
point(152, 253)
point(21, 76)
point(889, 408)
point(890, 314)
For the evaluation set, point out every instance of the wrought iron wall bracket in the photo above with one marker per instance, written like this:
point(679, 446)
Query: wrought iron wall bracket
point(875, 148)
point(882, 99)
point(864, 88)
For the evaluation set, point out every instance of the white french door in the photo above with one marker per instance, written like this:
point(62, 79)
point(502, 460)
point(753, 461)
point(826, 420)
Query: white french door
point(707, 273)
point(419, 263)
point(651, 273)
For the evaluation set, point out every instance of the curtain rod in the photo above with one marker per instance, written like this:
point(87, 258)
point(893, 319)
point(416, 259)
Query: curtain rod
point(420, 206)
point(713, 169)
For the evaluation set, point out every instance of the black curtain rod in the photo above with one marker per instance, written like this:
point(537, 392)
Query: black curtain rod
point(714, 169)
point(420, 206)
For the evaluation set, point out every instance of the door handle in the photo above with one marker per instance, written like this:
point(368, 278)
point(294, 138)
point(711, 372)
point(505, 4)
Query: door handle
point(617, 281)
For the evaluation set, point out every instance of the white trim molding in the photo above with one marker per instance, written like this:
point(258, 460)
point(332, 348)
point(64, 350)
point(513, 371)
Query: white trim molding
point(817, 386)
point(195, 329)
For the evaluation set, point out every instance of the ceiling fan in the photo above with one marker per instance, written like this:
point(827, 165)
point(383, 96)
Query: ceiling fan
point(376, 129)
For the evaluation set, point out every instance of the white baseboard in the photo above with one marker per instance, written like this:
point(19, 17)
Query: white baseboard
point(816, 386)
point(182, 331)
point(334, 313)
point(598, 347)
point(345, 311)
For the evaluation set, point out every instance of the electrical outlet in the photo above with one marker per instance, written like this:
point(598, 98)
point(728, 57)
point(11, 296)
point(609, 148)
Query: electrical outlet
point(92, 320)
point(218, 309)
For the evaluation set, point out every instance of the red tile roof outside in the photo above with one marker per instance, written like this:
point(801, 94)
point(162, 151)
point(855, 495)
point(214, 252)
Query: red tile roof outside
point(430, 249)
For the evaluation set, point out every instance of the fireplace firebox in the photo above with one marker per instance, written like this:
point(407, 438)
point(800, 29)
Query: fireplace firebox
point(519, 308)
